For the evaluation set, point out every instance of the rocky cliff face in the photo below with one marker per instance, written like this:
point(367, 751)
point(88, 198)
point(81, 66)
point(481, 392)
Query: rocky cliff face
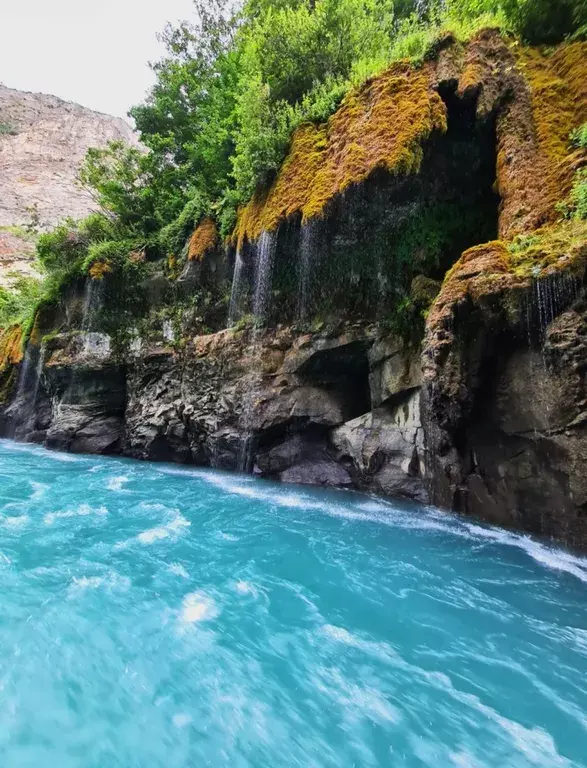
point(334, 408)
point(43, 141)
point(481, 409)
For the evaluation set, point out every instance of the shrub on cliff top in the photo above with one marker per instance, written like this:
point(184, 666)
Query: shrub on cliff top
point(18, 302)
point(545, 21)
point(235, 84)
point(231, 90)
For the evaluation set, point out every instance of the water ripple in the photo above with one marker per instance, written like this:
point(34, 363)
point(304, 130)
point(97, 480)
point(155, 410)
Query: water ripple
point(169, 617)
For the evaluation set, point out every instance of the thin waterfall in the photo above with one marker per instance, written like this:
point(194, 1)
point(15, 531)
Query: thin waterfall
point(307, 249)
point(549, 297)
point(237, 289)
point(553, 294)
point(24, 373)
point(38, 374)
point(93, 297)
point(261, 300)
point(263, 275)
point(29, 380)
point(92, 303)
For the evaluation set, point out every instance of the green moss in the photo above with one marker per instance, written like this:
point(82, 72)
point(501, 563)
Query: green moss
point(561, 247)
point(7, 130)
point(557, 80)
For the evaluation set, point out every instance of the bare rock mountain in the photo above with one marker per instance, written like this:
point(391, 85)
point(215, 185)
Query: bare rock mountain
point(43, 141)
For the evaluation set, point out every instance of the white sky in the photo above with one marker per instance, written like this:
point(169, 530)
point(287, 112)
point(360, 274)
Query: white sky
point(94, 52)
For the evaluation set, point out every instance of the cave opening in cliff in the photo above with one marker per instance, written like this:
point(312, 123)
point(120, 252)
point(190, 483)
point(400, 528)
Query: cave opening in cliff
point(361, 258)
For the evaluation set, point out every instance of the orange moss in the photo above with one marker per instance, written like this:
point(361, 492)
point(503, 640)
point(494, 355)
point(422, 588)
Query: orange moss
point(485, 261)
point(10, 347)
point(474, 69)
point(203, 239)
point(99, 269)
point(558, 87)
point(570, 64)
point(137, 257)
point(539, 98)
point(380, 126)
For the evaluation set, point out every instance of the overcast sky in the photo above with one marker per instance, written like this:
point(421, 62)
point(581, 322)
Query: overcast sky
point(94, 52)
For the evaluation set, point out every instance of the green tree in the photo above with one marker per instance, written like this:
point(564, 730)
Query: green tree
point(542, 21)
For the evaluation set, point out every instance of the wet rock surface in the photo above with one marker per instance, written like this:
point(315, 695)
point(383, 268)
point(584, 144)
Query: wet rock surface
point(499, 431)
point(504, 397)
point(286, 406)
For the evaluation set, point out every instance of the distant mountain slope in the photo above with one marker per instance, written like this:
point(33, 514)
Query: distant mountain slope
point(43, 141)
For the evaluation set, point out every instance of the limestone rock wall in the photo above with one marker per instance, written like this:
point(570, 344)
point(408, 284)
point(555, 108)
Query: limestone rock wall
point(43, 141)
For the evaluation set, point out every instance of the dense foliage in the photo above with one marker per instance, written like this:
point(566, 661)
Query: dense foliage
point(233, 86)
point(18, 301)
point(576, 206)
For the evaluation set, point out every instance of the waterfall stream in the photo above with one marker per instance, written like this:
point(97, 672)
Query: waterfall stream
point(261, 300)
point(29, 380)
point(38, 373)
point(24, 373)
point(92, 303)
point(549, 297)
point(234, 310)
point(307, 243)
point(93, 298)
point(263, 275)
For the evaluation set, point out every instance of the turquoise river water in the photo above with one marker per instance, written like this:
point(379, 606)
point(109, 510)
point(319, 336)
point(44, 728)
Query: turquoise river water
point(157, 616)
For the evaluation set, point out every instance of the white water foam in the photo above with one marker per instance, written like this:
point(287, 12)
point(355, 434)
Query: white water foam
point(67, 458)
point(181, 719)
point(38, 489)
point(116, 483)
point(360, 701)
point(153, 535)
point(381, 651)
point(251, 489)
point(110, 581)
point(155, 506)
point(385, 513)
point(196, 607)
point(174, 527)
point(226, 536)
point(535, 744)
point(84, 510)
point(38, 450)
point(553, 559)
point(245, 588)
point(16, 521)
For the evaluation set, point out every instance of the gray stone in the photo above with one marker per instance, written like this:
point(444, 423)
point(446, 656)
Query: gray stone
point(394, 368)
point(384, 449)
point(325, 472)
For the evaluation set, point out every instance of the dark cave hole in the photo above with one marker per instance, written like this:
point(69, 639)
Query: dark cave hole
point(345, 371)
point(379, 235)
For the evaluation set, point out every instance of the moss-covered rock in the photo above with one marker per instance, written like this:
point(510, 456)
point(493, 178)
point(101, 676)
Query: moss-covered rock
point(380, 126)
